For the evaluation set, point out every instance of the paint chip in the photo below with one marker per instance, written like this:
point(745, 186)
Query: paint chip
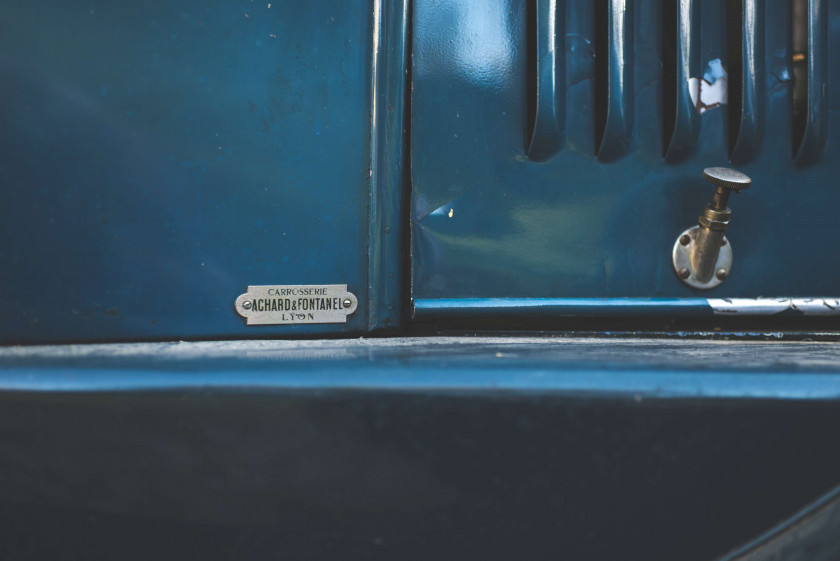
point(710, 91)
point(451, 212)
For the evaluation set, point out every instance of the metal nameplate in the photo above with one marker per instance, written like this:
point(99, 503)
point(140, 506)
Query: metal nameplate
point(292, 304)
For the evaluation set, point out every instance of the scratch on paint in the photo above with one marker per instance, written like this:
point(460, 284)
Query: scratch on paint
point(772, 306)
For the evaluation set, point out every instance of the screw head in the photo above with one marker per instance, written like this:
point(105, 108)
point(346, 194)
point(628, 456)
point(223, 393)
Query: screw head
point(684, 273)
point(685, 239)
point(721, 274)
point(347, 303)
point(246, 305)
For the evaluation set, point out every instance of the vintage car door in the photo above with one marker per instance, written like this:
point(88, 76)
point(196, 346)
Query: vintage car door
point(315, 279)
point(558, 150)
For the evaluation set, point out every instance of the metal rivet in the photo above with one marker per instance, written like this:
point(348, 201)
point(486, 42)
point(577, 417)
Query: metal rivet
point(246, 304)
point(684, 273)
point(347, 302)
point(387, 229)
point(721, 274)
point(685, 239)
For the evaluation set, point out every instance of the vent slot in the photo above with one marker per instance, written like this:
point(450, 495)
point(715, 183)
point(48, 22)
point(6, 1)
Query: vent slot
point(614, 59)
point(810, 79)
point(546, 78)
point(680, 61)
point(745, 51)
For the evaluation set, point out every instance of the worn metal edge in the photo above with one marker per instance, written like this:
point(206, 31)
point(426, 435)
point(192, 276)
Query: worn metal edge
point(433, 379)
point(483, 366)
point(387, 98)
point(431, 308)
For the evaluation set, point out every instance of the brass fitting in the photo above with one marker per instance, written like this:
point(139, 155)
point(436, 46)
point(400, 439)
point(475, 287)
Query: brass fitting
point(702, 256)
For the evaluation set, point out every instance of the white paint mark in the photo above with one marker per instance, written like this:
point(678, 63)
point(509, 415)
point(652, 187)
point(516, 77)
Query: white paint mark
point(710, 91)
point(714, 71)
point(816, 306)
point(770, 306)
point(451, 212)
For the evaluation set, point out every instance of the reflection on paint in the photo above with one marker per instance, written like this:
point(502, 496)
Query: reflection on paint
point(483, 48)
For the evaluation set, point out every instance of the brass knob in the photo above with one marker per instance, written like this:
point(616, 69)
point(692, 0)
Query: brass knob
point(726, 180)
point(702, 255)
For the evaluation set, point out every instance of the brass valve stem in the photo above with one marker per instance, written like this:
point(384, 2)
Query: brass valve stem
point(702, 257)
point(707, 244)
point(720, 198)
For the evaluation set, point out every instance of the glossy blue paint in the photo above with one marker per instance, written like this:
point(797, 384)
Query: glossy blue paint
point(388, 127)
point(550, 77)
point(616, 132)
point(161, 157)
point(541, 308)
point(422, 448)
point(443, 365)
point(558, 307)
point(748, 85)
point(487, 222)
point(683, 128)
point(817, 119)
point(164, 158)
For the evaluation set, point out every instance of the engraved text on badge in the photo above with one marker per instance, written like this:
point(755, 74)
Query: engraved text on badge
point(284, 304)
